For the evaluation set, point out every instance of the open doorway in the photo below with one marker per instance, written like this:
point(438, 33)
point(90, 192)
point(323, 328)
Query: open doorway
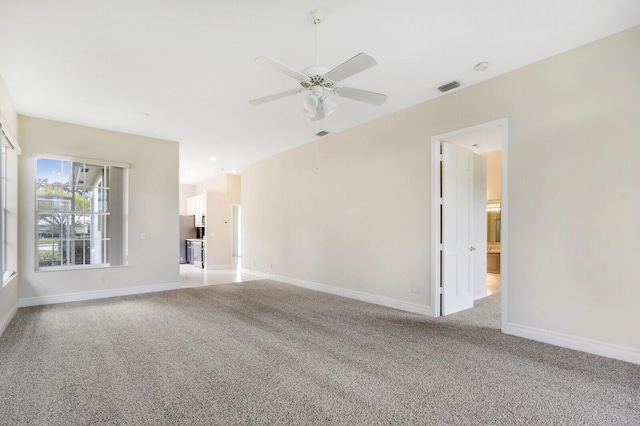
point(486, 144)
point(488, 140)
point(237, 231)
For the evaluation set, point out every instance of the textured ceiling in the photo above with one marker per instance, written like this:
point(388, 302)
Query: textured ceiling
point(185, 70)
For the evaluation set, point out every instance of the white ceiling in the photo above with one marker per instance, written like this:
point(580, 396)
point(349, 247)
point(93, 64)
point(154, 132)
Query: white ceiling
point(190, 65)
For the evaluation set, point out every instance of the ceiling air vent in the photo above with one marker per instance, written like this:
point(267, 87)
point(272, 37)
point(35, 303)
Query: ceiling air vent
point(449, 86)
point(322, 133)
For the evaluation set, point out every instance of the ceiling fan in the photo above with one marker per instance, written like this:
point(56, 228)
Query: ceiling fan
point(321, 81)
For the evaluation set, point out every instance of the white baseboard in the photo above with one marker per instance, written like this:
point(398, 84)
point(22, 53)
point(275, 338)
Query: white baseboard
point(571, 342)
point(100, 294)
point(7, 319)
point(351, 294)
point(216, 267)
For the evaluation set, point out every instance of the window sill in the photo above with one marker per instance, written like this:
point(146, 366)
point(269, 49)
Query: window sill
point(7, 277)
point(78, 267)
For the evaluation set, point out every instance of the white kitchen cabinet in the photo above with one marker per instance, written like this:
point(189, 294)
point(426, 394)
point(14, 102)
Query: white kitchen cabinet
point(197, 206)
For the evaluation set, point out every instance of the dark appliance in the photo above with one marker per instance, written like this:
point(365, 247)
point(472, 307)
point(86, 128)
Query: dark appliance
point(187, 231)
point(198, 253)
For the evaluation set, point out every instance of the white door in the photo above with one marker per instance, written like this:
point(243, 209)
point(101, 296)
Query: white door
point(457, 229)
point(479, 256)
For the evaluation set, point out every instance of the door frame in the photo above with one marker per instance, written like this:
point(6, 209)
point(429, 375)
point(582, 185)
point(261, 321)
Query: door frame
point(503, 123)
point(236, 215)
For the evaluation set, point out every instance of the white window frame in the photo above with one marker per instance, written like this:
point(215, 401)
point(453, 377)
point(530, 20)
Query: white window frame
point(123, 222)
point(3, 209)
point(7, 141)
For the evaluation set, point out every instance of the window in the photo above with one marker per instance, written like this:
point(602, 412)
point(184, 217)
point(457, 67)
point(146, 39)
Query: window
point(3, 210)
point(80, 214)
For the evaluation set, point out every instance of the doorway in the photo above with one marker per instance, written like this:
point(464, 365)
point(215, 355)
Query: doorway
point(476, 135)
point(237, 231)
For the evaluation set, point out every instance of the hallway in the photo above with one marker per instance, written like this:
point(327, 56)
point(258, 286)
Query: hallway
point(191, 276)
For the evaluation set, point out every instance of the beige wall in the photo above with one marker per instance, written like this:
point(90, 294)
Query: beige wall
point(360, 221)
point(219, 223)
point(185, 191)
point(153, 208)
point(9, 293)
point(494, 174)
point(218, 184)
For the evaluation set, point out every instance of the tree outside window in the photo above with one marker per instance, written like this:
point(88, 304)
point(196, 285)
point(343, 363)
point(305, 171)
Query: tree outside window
point(74, 222)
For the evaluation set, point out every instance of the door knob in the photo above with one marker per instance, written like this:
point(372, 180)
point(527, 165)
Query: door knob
point(472, 248)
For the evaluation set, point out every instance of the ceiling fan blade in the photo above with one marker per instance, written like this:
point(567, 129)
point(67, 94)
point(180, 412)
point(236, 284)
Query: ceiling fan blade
point(358, 63)
point(361, 95)
point(274, 96)
point(273, 64)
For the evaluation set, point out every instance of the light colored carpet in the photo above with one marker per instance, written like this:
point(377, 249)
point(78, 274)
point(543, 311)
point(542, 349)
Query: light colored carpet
point(263, 352)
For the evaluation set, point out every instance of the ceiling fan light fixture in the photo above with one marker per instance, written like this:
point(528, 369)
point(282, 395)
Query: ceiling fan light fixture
point(317, 106)
point(328, 105)
point(310, 105)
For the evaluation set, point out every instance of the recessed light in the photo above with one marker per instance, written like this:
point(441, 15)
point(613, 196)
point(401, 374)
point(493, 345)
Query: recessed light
point(213, 158)
point(481, 66)
point(144, 114)
point(476, 145)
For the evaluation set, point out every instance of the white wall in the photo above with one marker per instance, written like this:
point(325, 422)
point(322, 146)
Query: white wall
point(494, 174)
point(218, 184)
point(219, 223)
point(185, 191)
point(9, 293)
point(360, 222)
point(153, 211)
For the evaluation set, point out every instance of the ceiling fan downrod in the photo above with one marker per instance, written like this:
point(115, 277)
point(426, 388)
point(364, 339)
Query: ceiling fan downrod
point(316, 16)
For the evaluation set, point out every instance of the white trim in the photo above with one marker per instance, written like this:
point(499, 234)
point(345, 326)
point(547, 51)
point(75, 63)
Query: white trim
point(7, 319)
point(100, 294)
point(504, 225)
point(503, 123)
point(11, 276)
point(9, 135)
point(576, 343)
point(217, 267)
point(350, 294)
point(82, 160)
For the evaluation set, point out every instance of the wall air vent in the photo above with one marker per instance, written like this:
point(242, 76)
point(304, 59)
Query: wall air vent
point(449, 86)
point(322, 133)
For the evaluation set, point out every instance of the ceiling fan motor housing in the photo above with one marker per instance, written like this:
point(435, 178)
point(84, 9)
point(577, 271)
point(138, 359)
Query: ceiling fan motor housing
point(316, 77)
